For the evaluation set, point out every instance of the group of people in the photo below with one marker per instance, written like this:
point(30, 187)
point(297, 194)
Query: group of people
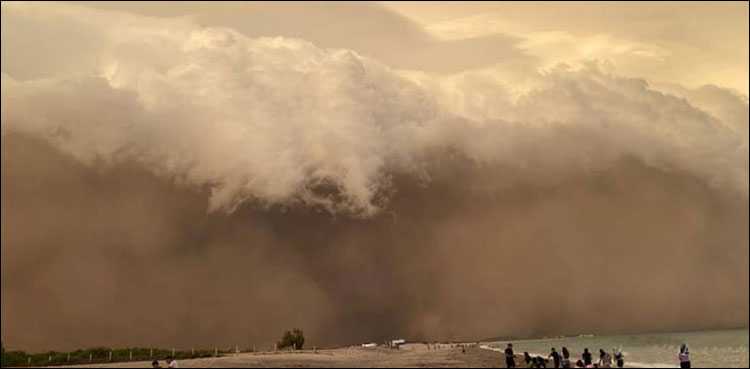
point(171, 363)
point(562, 359)
point(586, 360)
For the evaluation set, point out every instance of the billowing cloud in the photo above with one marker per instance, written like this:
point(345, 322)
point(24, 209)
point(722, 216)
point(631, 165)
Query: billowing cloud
point(282, 120)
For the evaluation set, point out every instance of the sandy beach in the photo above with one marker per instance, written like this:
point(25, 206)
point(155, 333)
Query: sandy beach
point(409, 355)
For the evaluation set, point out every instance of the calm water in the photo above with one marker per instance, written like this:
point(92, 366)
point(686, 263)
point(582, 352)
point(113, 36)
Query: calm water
point(708, 349)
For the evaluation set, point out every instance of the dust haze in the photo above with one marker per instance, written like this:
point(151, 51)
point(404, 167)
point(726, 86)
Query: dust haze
point(182, 184)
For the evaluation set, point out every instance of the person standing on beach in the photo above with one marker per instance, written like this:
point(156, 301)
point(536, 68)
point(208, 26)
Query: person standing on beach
point(510, 358)
point(586, 356)
point(684, 356)
point(619, 358)
point(565, 358)
point(605, 359)
point(555, 357)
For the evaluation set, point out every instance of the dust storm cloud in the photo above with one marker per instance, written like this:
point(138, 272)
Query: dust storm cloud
point(175, 184)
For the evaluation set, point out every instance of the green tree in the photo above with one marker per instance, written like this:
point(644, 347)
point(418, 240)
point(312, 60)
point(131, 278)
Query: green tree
point(294, 338)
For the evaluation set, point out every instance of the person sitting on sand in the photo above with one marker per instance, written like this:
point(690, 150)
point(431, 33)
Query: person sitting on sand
point(684, 356)
point(510, 358)
point(155, 364)
point(580, 364)
point(565, 358)
point(619, 358)
point(171, 362)
point(586, 356)
point(605, 359)
point(555, 357)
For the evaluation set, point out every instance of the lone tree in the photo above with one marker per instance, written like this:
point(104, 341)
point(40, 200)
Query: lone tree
point(294, 339)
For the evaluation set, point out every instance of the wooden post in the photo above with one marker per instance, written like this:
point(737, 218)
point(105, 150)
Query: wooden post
point(49, 359)
point(68, 358)
point(172, 351)
point(315, 349)
point(110, 356)
point(151, 355)
point(253, 348)
point(216, 352)
point(29, 360)
point(193, 351)
point(90, 357)
point(275, 347)
point(131, 355)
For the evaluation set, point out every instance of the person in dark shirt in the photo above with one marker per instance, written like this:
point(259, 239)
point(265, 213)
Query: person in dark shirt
point(586, 356)
point(555, 358)
point(510, 358)
point(619, 357)
point(527, 359)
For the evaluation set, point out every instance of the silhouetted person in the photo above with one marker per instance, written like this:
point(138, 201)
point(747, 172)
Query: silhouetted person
point(155, 364)
point(580, 364)
point(510, 358)
point(527, 359)
point(684, 356)
point(586, 357)
point(555, 358)
point(619, 358)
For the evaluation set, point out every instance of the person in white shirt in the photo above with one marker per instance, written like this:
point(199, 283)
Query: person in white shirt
point(684, 356)
point(172, 363)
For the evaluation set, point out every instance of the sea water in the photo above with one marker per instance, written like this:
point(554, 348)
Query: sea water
point(708, 349)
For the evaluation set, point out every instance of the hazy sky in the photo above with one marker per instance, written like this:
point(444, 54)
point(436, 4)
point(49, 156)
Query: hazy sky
point(191, 174)
point(691, 43)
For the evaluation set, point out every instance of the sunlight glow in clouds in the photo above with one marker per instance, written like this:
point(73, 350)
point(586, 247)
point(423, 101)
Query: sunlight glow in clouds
point(281, 120)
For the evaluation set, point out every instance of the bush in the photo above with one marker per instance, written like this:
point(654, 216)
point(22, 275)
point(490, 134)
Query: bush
point(294, 339)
